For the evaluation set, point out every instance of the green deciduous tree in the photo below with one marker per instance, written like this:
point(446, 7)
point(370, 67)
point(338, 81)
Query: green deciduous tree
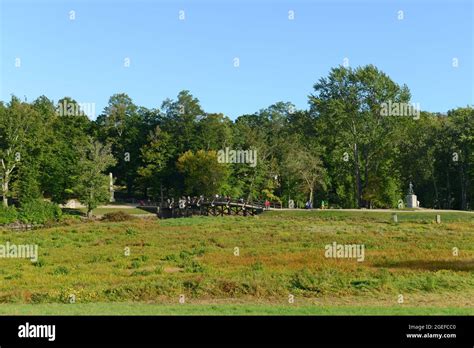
point(19, 134)
point(123, 125)
point(306, 166)
point(348, 107)
point(92, 186)
point(155, 158)
point(203, 174)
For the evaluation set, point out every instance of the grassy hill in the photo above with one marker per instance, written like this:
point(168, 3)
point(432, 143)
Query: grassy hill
point(280, 253)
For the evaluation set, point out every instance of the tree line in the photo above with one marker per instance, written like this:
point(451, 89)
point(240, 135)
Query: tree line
point(346, 149)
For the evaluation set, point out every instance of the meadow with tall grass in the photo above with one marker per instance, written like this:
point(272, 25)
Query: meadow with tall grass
point(273, 263)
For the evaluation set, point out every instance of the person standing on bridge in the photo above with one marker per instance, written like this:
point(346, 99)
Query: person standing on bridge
point(267, 204)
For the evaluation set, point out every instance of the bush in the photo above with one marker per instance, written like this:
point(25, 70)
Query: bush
point(61, 270)
point(117, 216)
point(39, 212)
point(8, 215)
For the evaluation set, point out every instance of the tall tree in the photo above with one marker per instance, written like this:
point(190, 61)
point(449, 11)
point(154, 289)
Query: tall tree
point(19, 125)
point(306, 166)
point(92, 184)
point(461, 123)
point(180, 118)
point(155, 157)
point(61, 154)
point(123, 126)
point(348, 106)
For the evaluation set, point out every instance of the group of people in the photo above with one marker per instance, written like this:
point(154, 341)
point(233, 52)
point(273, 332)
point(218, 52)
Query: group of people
point(184, 201)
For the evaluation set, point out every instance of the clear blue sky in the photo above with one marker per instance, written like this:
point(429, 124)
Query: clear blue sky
point(280, 59)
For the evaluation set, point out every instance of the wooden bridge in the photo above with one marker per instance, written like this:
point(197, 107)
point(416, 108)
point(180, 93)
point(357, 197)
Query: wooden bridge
point(219, 206)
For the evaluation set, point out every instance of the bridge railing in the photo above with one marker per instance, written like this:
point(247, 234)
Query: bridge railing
point(212, 206)
point(197, 201)
point(166, 203)
point(272, 204)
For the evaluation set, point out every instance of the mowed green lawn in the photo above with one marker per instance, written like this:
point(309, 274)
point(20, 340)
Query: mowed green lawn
point(146, 266)
point(219, 309)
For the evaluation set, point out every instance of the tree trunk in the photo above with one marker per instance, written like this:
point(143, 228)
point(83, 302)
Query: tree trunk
point(5, 191)
point(436, 202)
point(357, 176)
point(448, 189)
point(89, 207)
point(463, 189)
point(367, 204)
point(161, 193)
point(130, 187)
point(250, 189)
point(311, 197)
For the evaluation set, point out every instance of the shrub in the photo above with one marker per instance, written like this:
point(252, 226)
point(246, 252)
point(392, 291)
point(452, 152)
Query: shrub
point(130, 231)
point(39, 212)
point(61, 270)
point(117, 216)
point(39, 263)
point(8, 215)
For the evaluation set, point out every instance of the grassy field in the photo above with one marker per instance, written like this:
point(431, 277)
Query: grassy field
point(281, 255)
point(218, 309)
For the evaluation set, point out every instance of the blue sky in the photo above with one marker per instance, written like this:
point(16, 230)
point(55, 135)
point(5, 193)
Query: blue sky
point(280, 59)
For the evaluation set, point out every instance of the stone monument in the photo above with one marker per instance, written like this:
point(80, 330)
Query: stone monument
point(411, 199)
